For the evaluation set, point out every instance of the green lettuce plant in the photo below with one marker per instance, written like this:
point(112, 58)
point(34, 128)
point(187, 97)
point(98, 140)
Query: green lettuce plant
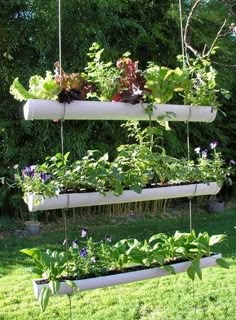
point(103, 81)
point(39, 88)
point(86, 258)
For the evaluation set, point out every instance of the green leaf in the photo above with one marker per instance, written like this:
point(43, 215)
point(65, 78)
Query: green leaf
point(19, 92)
point(197, 267)
point(72, 284)
point(44, 298)
point(34, 253)
point(170, 269)
point(136, 188)
point(37, 271)
point(216, 239)
point(191, 272)
point(222, 263)
point(54, 286)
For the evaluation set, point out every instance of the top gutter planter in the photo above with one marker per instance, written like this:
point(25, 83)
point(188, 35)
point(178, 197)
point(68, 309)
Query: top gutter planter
point(38, 109)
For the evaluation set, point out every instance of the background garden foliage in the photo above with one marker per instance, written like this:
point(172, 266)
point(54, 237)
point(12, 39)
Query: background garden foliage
point(150, 30)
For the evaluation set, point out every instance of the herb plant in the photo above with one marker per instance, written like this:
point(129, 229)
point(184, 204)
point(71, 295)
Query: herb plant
point(86, 258)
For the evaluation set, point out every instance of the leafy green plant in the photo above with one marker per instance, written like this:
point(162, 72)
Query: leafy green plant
point(50, 265)
point(86, 258)
point(125, 82)
point(39, 88)
point(103, 75)
point(135, 167)
point(204, 90)
point(164, 82)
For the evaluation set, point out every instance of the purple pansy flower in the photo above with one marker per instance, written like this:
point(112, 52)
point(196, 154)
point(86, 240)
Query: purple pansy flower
point(204, 153)
point(83, 253)
point(75, 244)
point(108, 238)
point(45, 176)
point(29, 171)
point(84, 233)
point(213, 145)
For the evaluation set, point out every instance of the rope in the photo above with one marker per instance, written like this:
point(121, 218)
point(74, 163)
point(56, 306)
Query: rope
point(181, 31)
point(65, 210)
point(188, 142)
point(59, 36)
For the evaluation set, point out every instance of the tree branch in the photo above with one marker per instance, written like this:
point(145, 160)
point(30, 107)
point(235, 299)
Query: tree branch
point(186, 42)
point(214, 42)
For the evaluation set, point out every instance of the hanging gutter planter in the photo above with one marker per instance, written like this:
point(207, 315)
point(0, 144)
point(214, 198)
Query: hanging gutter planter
point(73, 200)
point(37, 109)
point(122, 278)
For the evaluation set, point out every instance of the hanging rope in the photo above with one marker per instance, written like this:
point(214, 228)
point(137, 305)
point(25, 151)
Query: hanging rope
point(60, 72)
point(65, 210)
point(190, 111)
point(181, 31)
point(59, 36)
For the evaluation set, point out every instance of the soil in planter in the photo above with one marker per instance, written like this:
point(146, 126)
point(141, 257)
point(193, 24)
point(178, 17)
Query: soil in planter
point(151, 186)
point(116, 271)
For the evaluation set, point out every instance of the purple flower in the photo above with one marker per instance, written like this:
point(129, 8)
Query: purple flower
point(204, 153)
point(84, 233)
point(197, 150)
point(45, 176)
point(75, 244)
point(108, 238)
point(29, 171)
point(83, 253)
point(232, 161)
point(213, 145)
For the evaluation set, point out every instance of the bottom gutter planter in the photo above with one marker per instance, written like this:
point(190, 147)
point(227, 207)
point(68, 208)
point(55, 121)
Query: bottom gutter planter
point(122, 278)
point(73, 200)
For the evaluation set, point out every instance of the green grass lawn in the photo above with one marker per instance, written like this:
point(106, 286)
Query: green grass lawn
point(167, 298)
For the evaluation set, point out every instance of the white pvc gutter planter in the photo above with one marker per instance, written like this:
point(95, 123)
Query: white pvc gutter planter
point(121, 278)
point(37, 109)
point(73, 200)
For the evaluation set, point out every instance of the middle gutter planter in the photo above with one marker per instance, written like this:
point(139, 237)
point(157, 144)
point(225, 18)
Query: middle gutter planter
point(73, 200)
point(38, 109)
point(121, 278)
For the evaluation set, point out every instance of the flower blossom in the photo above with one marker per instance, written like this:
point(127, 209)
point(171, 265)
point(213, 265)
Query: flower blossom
point(93, 260)
point(108, 238)
point(29, 171)
point(75, 244)
point(197, 150)
point(84, 233)
point(83, 253)
point(204, 153)
point(213, 145)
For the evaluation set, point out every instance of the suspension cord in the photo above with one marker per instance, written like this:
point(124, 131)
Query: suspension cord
point(181, 32)
point(59, 36)
point(64, 212)
point(190, 198)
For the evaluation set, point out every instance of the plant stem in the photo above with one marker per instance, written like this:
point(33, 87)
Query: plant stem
point(194, 301)
point(151, 133)
point(70, 306)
